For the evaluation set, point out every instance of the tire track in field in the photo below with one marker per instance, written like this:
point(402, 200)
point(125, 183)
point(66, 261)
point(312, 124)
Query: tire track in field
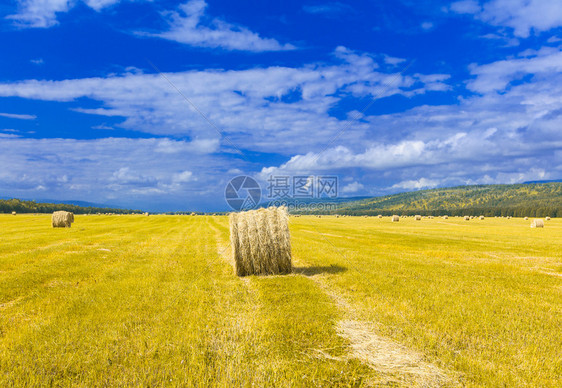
point(398, 363)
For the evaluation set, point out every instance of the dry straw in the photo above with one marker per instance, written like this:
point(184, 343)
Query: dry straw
point(445, 217)
point(466, 218)
point(481, 217)
point(547, 218)
point(537, 223)
point(261, 241)
point(418, 217)
point(62, 219)
point(526, 218)
point(14, 213)
point(380, 216)
point(395, 218)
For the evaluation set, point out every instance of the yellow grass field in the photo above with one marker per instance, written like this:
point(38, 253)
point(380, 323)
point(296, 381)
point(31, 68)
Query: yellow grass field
point(154, 301)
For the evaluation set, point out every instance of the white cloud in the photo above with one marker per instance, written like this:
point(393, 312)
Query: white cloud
point(119, 170)
point(191, 26)
point(43, 13)
point(523, 16)
point(40, 13)
point(497, 76)
point(427, 25)
point(18, 116)
point(509, 133)
point(351, 188)
point(421, 183)
point(251, 107)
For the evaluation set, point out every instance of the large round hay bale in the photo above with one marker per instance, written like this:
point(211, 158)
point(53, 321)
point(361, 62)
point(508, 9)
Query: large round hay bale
point(62, 219)
point(395, 218)
point(14, 213)
point(379, 216)
point(547, 218)
point(537, 223)
point(261, 241)
point(418, 217)
point(526, 218)
point(445, 217)
point(481, 217)
point(466, 218)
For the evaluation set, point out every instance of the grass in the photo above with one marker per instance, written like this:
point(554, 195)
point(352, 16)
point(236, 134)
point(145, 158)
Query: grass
point(150, 301)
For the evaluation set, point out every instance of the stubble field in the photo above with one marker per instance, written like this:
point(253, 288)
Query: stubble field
point(154, 301)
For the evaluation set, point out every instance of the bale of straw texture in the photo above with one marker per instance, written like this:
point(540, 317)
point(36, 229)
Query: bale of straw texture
point(62, 219)
point(418, 217)
point(445, 217)
point(14, 213)
point(537, 223)
point(547, 218)
point(395, 218)
point(380, 216)
point(261, 241)
point(146, 214)
point(466, 218)
point(526, 218)
point(481, 217)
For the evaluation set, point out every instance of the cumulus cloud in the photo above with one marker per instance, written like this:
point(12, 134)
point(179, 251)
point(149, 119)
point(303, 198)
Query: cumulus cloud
point(190, 25)
point(507, 133)
point(352, 188)
point(269, 109)
point(421, 183)
point(43, 13)
point(121, 171)
point(523, 16)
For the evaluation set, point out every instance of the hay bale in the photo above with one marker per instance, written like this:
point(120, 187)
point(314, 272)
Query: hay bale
point(547, 218)
point(14, 213)
point(146, 214)
point(481, 217)
point(526, 218)
point(395, 218)
point(445, 217)
point(261, 241)
point(418, 217)
point(62, 219)
point(466, 218)
point(537, 223)
point(380, 216)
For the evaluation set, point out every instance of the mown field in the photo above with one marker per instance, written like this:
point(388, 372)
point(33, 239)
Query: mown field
point(153, 301)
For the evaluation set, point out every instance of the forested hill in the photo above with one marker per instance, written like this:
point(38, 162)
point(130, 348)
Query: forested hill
point(532, 200)
point(19, 206)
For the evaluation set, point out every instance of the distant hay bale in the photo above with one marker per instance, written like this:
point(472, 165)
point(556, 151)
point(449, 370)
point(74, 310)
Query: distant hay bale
point(481, 217)
point(395, 218)
point(418, 217)
point(62, 219)
point(261, 241)
point(14, 213)
point(146, 214)
point(380, 216)
point(466, 218)
point(547, 218)
point(365, 216)
point(537, 223)
point(526, 218)
point(508, 217)
point(445, 217)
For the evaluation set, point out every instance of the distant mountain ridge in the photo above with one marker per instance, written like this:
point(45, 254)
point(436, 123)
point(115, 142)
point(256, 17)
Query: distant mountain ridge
point(528, 199)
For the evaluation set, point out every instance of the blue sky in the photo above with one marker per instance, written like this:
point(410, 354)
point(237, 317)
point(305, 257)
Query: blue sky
point(158, 104)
